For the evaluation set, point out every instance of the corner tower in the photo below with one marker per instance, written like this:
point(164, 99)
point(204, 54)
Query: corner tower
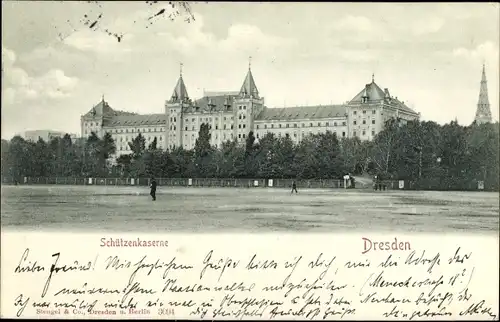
point(247, 105)
point(174, 110)
point(483, 112)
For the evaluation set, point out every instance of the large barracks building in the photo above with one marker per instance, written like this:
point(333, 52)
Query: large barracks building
point(232, 115)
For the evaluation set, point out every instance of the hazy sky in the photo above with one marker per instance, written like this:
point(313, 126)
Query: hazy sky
point(428, 55)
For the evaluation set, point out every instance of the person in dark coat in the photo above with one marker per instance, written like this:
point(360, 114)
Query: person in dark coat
point(153, 188)
point(294, 187)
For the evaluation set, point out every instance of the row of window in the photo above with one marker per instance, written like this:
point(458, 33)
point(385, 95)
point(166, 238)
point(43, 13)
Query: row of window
point(364, 122)
point(126, 139)
point(207, 119)
point(364, 112)
point(303, 125)
point(354, 133)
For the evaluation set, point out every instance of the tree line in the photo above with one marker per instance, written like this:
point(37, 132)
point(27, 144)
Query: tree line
point(450, 154)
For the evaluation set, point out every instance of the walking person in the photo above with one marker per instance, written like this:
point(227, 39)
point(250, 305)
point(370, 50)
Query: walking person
point(152, 185)
point(294, 187)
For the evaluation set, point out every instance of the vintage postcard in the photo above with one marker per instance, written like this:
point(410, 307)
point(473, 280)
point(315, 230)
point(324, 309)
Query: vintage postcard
point(264, 161)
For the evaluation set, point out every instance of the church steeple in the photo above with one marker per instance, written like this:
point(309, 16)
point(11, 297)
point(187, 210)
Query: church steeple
point(249, 89)
point(180, 93)
point(483, 112)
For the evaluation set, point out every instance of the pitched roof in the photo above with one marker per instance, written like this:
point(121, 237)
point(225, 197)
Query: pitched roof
point(375, 94)
point(302, 112)
point(135, 120)
point(397, 103)
point(180, 92)
point(371, 91)
point(228, 93)
point(249, 88)
point(211, 103)
point(102, 108)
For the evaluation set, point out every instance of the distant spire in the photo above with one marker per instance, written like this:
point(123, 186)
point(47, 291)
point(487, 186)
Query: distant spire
point(373, 77)
point(181, 64)
point(103, 98)
point(483, 112)
point(249, 62)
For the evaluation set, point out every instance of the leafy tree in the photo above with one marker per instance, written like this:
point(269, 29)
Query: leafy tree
point(138, 146)
point(203, 153)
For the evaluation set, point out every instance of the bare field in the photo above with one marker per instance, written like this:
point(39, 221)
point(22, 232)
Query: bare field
point(254, 210)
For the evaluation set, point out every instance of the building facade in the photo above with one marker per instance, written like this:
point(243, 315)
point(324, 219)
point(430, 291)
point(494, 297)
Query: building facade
point(233, 115)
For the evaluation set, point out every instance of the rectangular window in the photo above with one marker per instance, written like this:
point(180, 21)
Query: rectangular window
point(231, 126)
point(244, 125)
point(343, 123)
point(373, 112)
point(288, 125)
point(373, 133)
point(364, 112)
point(364, 121)
point(354, 122)
point(239, 126)
point(265, 126)
point(373, 121)
point(364, 133)
point(295, 125)
point(354, 133)
point(257, 127)
point(354, 112)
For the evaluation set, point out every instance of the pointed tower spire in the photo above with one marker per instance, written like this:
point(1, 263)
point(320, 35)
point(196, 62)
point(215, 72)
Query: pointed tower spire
point(483, 112)
point(180, 93)
point(373, 77)
point(249, 89)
